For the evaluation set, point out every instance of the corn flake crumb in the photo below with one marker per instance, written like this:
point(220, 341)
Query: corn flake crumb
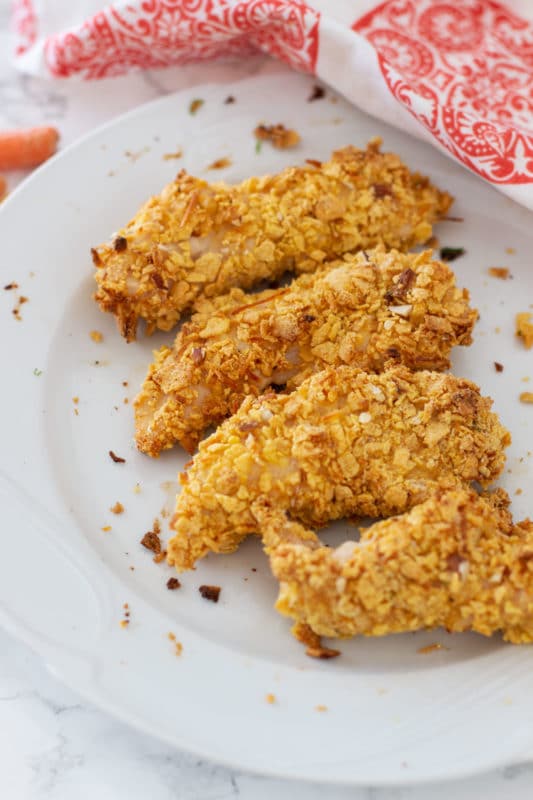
point(220, 163)
point(106, 528)
point(431, 648)
point(124, 623)
point(96, 336)
point(526, 397)
point(75, 400)
point(270, 698)
point(280, 136)
point(499, 272)
point(321, 707)
point(118, 508)
point(524, 328)
point(510, 251)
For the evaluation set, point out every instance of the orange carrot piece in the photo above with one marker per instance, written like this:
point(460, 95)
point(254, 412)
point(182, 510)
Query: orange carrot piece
point(24, 149)
point(3, 188)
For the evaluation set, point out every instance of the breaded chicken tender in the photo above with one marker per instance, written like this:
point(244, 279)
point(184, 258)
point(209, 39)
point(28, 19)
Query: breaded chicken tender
point(345, 443)
point(198, 240)
point(366, 310)
point(456, 560)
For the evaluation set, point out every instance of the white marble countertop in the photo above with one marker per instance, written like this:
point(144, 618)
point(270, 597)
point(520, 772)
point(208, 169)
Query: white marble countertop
point(54, 745)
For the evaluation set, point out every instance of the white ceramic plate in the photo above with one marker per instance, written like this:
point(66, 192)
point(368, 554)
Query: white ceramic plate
point(394, 715)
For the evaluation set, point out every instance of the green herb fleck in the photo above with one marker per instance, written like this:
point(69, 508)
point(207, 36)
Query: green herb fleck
point(195, 105)
point(37, 372)
point(451, 253)
point(258, 146)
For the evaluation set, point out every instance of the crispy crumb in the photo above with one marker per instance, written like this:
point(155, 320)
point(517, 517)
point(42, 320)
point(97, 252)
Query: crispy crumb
point(270, 698)
point(210, 592)
point(165, 513)
point(107, 528)
point(321, 707)
point(76, 412)
point(317, 93)
point(9, 286)
point(229, 100)
point(171, 156)
point(220, 163)
point(124, 623)
point(173, 583)
point(524, 328)
point(137, 488)
point(525, 379)
point(132, 568)
point(497, 329)
point(178, 648)
point(313, 642)
point(124, 383)
point(195, 105)
point(156, 526)
point(76, 400)
point(118, 508)
point(526, 397)
point(151, 541)
point(433, 242)
point(96, 336)
point(431, 648)
point(115, 458)
point(499, 272)
point(159, 557)
point(510, 251)
point(498, 367)
point(280, 136)
point(518, 491)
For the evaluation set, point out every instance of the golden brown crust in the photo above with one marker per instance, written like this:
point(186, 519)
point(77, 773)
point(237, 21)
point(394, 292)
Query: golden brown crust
point(344, 443)
point(455, 560)
point(366, 310)
point(198, 240)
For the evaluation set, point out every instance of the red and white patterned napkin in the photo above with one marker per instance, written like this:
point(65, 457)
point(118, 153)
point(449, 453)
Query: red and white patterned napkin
point(458, 73)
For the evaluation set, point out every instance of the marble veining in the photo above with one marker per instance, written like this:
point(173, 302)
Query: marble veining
point(54, 745)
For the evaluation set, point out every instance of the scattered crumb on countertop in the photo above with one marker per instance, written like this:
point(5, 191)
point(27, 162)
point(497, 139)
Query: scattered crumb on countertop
point(96, 336)
point(151, 541)
point(118, 508)
point(524, 328)
point(525, 379)
point(137, 488)
point(220, 163)
point(195, 105)
point(510, 251)
point(279, 136)
point(431, 648)
point(229, 100)
point(171, 156)
point(270, 698)
point(526, 397)
point(498, 367)
point(210, 592)
point(317, 93)
point(321, 707)
point(9, 286)
point(499, 272)
point(518, 491)
point(124, 623)
point(75, 400)
point(107, 528)
point(117, 459)
point(173, 583)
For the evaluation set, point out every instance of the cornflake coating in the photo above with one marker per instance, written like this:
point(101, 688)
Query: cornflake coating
point(455, 561)
point(344, 443)
point(369, 309)
point(198, 240)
